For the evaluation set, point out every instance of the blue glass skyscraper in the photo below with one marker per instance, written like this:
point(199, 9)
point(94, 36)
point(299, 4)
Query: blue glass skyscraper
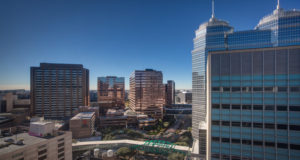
point(246, 89)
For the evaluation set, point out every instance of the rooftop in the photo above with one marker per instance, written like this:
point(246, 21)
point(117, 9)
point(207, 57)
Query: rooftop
point(27, 141)
point(84, 115)
point(41, 122)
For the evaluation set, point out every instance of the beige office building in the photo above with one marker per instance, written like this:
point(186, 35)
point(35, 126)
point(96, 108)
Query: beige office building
point(83, 125)
point(58, 147)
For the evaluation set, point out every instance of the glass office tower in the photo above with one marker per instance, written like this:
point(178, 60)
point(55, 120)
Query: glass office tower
point(246, 89)
point(111, 90)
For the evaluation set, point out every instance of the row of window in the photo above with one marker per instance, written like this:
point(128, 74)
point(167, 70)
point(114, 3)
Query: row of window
point(257, 125)
point(256, 143)
point(255, 89)
point(256, 107)
point(42, 151)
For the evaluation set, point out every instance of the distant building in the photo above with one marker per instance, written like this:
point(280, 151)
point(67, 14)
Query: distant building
point(147, 93)
point(10, 99)
point(7, 102)
point(6, 120)
point(184, 98)
point(57, 145)
point(119, 118)
point(21, 103)
point(58, 89)
point(83, 125)
point(89, 109)
point(175, 109)
point(111, 93)
point(93, 96)
point(170, 93)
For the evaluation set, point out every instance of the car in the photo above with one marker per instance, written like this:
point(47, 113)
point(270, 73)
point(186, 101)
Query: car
point(9, 140)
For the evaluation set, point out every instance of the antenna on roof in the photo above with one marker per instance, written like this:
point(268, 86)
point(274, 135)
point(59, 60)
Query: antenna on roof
point(278, 4)
point(213, 9)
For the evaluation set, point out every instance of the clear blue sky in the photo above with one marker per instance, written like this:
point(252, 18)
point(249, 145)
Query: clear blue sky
point(113, 37)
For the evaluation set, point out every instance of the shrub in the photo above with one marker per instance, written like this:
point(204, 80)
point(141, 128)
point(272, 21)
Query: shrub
point(175, 156)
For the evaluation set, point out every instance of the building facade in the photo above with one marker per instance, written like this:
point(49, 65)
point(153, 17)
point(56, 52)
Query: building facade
point(58, 147)
point(83, 125)
point(170, 93)
point(183, 98)
point(58, 89)
point(246, 89)
point(147, 93)
point(111, 90)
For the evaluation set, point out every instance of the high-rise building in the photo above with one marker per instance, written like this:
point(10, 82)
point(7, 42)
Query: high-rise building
point(147, 93)
point(111, 91)
point(170, 93)
point(58, 89)
point(246, 89)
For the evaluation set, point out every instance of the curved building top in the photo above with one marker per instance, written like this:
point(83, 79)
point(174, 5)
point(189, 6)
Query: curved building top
point(267, 21)
point(213, 22)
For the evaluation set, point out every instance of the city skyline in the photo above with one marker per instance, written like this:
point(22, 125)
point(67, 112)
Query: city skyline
point(151, 34)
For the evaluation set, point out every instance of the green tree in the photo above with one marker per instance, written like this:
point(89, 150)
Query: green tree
point(124, 152)
point(175, 156)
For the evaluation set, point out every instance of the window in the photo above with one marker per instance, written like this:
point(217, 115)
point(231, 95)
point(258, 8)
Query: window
point(226, 140)
point(236, 124)
point(282, 145)
point(215, 106)
point(294, 108)
point(226, 89)
point(257, 125)
point(282, 89)
point(269, 144)
point(281, 108)
point(247, 107)
point(244, 89)
point(295, 127)
point(281, 126)
point(269, 126)
point(236, 106)
point(215, 156)
point(248, 142)
point(258, 143)
point(61, 144)
point(61, 139)
point(61, 150)
point(295, 146)
point(257, 107)
point(43, 157)
point(225, 106)
point(269, 107)
point(237, 141)
point(42, 151)
point(246, 124)
point(61, 155)
point(225, 123)
point(294, 89)
point(268, 89)
point(215, 89)
point(42, 146)
point(216, 123)
point(235, 89)
point(216, 139)
point(257, 89)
